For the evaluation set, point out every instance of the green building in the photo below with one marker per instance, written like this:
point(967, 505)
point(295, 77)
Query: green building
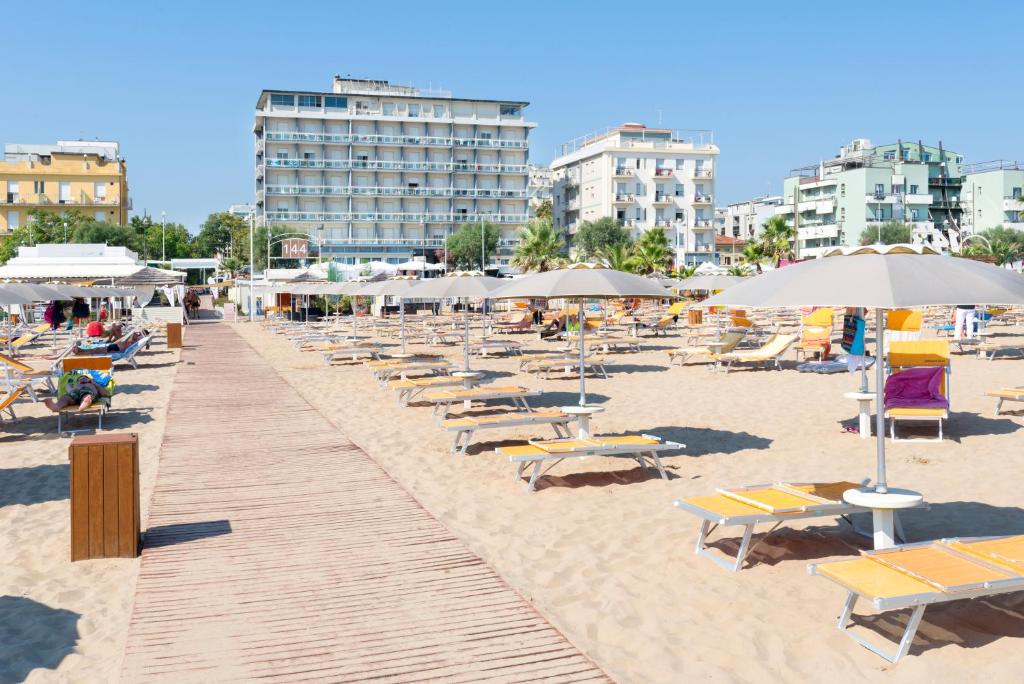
point(834, 202)
point(992, 196)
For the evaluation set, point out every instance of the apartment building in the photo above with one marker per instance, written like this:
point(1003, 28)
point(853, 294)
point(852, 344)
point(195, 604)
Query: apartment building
point(377, 171)
point(88, 176)
point(647, 178)
point(992, 196)
point(744, 220)
point(539, 186)
point(865, 185)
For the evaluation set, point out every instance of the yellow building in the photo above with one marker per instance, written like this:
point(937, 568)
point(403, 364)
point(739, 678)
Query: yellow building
point(87, 176)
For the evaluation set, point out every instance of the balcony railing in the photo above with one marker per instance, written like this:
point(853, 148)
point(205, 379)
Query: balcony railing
point(662, 223)
point(393, 217)
point(624, 198)
point(702, 173)
point(663, 199)
point(37, 199)
point(378, 139)
point(702, 199)
point(383, 165)
point(663, 172)
point(350, 191)
point(623, 172)
point(701, 224)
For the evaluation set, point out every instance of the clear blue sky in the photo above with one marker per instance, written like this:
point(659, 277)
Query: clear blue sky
point(781, 84)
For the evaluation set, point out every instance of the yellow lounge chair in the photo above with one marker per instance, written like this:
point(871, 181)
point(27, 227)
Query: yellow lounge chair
point(538, 452)
point(1006, 394)
point(410, 388)
point(767, 354)
point(915, 576)
point(568, 363)
point(443, 400)
point(7, 401)
point(725, 345)
point(915, 354)
point(753, 505)
point(20, 374)
point(465, 427)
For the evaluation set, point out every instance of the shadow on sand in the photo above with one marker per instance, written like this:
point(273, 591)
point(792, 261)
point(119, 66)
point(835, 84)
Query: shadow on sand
point(19, 653)
point(33, 485)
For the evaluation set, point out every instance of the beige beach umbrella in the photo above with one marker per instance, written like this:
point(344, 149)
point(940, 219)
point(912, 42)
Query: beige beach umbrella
point(582, 282)
point(894, 280)
point(392, 287)
point(464, 285)
point(708, 283)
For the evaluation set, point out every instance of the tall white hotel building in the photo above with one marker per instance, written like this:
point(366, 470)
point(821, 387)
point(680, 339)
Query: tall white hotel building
point(376, 171)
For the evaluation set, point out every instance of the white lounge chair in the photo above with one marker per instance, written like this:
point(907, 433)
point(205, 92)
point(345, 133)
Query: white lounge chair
point(466, 427)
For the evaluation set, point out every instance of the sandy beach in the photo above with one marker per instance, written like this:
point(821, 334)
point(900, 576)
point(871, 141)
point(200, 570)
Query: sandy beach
point(64, 621)
point(602, 553)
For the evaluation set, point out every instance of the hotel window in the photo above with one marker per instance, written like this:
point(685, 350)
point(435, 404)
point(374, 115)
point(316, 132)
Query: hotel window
point(905, 154)
point(913, 189)
point(1016, 193)
point(926, 156)
point(639, 189)
point(485, 136)
point(915, 214)
point(309, 100)
point(309, 155)
point(388, 108)
point(282, 100)
point(510, 110)
point(889, 155)
point(39, 187)
point(439, 111)
point(65, 192)
point(12, 220)
point(12, 191)
point(100, 216)
point(282, 154)
point(680, 190)
point(414, 110)
point(335, 102)
point(879, 189)
point(99, 191)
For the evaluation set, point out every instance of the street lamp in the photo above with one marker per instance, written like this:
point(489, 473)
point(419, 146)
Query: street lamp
point(163, 236)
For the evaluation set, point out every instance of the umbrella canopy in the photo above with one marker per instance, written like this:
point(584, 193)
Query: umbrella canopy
point(35, 292)
point(9, 295)
point(709, 282)
point(411, 266)
point(582, 281)
point(878, 281)
point(393, 286)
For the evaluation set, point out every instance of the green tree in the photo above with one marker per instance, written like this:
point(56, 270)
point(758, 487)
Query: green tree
point(223, 233)
point(777, 238)
point(1010, 236)
point(617, 257)
point(737, 270)
point(540, 248)
point(753, 255)
point(685, 271)
point(232, 265)
point(464, 245)
point(543, 210)
point(98, 233)
point(889, 233)
point(651, 253)
point(594, 237)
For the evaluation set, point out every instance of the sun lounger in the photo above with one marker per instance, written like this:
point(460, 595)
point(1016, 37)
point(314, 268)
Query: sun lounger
point(485, 347)
point(410, 388)
point(352, 352)
point(767, 355)
point(1006, 394)
point(100, 406)
point(464, 428)
point(8, 399)
point(988, 350)
point(128, 355)
point(915, 576)
point(711, 350)
point(550, 453)
point(20, 374)
point(403, 368)
point(443, 400)
point(519, 321)
point(609, 343)
point(916, 356)
point(567, 363)
point(754, 505)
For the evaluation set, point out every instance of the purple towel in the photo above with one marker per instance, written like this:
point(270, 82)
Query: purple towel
point(916, 388)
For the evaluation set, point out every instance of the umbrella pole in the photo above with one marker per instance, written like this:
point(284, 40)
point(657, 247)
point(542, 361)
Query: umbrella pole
point(401, 317)
point(583, 388)
point(880, 484)
point(465, 311)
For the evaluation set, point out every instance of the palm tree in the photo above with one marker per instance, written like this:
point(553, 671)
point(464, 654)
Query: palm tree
point(776, 239)
point(686, 271)
point(1004, 252)
point(651, 253)
point(752, 254)
point(540, 247)
point(617, 257)
point(737, 270)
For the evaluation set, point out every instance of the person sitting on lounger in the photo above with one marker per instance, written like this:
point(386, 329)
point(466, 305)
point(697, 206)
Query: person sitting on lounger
point(553, 328)
point(82, 390)
point(112, 348)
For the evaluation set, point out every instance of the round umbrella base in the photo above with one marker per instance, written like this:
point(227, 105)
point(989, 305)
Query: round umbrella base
point(582, 414)
point(883, 507)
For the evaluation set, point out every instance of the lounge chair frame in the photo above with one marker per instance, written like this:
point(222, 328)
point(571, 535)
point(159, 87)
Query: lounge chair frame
point(464, 433)
point(443, 405)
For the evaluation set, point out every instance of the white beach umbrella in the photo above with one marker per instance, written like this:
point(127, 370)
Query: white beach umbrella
point(582, 281)
point(11, 294)
point(36, 292)
point(463, 285)
point(880, 282)
point(709, 282)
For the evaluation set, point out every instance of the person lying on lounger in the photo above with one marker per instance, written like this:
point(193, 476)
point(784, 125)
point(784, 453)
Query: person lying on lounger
point(112, 348)
point(82, 390)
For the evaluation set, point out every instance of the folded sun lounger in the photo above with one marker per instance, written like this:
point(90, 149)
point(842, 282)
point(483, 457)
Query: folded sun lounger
point(762, 504)
point(464, 428)
point(917, 575)
point(540, 453)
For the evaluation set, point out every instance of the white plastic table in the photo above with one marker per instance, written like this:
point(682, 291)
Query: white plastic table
point(883, 507)
point(864, 410)
point(469, 379)
point(582, 414)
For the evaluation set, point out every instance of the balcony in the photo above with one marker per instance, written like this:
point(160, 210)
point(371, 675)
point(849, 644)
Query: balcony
point(702, 173)
point(945, 182)
point(378, 139)
point(393, 191)
point(702, 248)
point(663, 199)
point(818, 231)
point(703, 224)
point(624, 199)
point(662, 223)
point(623, 172)
point(41, 200)
point(392, 217)
point(386, 165)
point(702, 199)
point(1013, 204)
point(663, 172)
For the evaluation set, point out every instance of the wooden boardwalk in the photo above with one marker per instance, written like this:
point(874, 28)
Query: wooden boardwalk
point(277, 550)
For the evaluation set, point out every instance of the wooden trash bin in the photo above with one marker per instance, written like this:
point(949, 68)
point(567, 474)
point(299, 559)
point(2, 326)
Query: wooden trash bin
point(174, 335)
point(105, 496)
point(695, 316)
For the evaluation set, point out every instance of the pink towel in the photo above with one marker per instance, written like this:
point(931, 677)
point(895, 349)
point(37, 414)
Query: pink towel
point(916, 388)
